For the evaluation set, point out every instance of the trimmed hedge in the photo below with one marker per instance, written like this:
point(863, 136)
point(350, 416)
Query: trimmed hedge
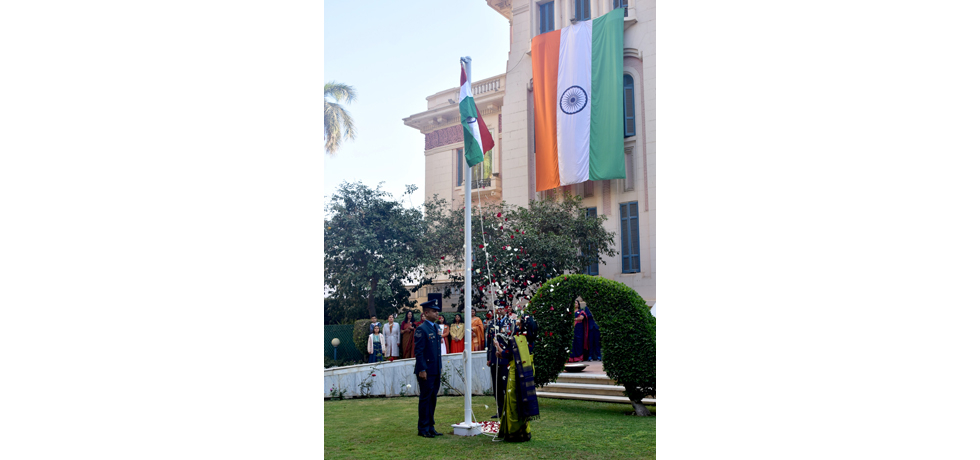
point(629, 349)
point(360, 336)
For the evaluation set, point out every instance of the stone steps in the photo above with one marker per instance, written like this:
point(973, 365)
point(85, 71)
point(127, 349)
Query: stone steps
point(597, 398)
point(587, 387)
point(596, 379)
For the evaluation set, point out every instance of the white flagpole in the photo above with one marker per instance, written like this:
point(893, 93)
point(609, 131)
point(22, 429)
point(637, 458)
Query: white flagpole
point(468, 427)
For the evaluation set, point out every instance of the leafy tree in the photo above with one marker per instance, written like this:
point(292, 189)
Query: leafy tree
point(515, 249)
point(371, 245)
point(337, 123)
point(345, 305)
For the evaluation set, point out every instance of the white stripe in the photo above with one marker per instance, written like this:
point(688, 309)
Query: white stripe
point(574, 69)
point(464, 90)
point(474, 128)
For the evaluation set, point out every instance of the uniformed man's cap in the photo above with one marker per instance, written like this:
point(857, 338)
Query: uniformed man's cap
point(433, 304)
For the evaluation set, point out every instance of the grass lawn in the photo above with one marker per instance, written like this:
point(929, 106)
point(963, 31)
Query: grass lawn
point(377, 428)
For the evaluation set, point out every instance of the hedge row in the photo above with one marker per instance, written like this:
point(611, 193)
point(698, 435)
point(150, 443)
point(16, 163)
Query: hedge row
point(629, 350)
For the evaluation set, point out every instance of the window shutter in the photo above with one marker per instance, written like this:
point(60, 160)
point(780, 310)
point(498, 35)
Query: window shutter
point(622, 4)
point(546, 17)
point(624, 236)
point(629, 108)
point(635, 234)
point(630, 230)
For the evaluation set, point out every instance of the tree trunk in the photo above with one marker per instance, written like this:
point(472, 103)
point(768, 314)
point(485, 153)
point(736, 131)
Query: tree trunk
point(374, 286)
point(641, 410)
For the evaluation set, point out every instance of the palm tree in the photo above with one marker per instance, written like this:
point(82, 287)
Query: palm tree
point(335, 116)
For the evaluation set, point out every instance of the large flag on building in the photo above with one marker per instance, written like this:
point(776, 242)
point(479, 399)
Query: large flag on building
point(578, 102)
point(476, 137)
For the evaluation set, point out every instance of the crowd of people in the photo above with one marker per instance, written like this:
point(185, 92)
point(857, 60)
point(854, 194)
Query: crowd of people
point(397, 339)
point(509, 341)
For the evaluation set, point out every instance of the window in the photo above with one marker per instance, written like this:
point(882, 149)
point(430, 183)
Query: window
point(622, 4)
point(460, 161)
point(594, 268)
point(629, 217)
point(582, 12)
point(546, 17)
point(629, 109)
point(483, 171)
point(588, 189)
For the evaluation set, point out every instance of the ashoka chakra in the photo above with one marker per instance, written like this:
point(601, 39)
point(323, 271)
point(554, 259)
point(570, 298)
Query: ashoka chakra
point(573, 100)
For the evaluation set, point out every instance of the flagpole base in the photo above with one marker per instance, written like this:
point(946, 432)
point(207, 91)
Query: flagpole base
point(471, 429)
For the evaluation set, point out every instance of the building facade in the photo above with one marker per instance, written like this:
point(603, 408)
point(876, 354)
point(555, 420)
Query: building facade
point(507, 104)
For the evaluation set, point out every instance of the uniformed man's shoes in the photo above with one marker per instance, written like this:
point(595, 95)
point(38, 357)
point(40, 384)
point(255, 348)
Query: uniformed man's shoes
point(494, 416)
point(426, 435)
point(436, 433)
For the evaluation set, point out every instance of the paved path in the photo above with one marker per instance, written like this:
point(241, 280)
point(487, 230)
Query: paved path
point(592, 367)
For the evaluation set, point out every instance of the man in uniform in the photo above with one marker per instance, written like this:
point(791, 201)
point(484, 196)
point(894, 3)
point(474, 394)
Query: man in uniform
point(428, 367)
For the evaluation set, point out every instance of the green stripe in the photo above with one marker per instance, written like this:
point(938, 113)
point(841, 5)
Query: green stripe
point(606, 158)
point(471, 146)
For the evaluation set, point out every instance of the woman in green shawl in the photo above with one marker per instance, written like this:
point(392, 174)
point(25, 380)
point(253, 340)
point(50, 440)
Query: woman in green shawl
point(520, 400)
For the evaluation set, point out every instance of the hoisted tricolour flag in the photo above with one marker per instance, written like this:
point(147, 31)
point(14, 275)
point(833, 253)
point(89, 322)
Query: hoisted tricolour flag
point(476, 136)
point(578, 102)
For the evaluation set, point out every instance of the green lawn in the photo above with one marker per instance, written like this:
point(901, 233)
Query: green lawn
point(377, 428)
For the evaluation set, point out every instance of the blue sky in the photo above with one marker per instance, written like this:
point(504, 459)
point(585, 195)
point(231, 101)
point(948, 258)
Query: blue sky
point(395, 56)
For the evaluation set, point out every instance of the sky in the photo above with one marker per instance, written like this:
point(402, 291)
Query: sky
point(395, 58)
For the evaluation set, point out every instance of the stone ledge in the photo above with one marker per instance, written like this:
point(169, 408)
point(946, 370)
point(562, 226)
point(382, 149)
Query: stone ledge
point(581, 397)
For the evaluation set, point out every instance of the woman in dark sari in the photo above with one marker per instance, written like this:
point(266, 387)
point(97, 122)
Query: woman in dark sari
point(592, 334)
point(520, 400)
point(580, 340)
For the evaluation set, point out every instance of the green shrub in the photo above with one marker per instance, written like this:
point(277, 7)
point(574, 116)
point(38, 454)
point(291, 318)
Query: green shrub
point(360, 336)
point(629, 350)
point(330, 362)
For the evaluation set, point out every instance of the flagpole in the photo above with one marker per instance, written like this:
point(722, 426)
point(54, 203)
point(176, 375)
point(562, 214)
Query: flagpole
point(468, 427)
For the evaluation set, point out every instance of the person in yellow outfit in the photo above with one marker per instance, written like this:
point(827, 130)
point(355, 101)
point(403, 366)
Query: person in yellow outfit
point(520, 400)
point(476, 324)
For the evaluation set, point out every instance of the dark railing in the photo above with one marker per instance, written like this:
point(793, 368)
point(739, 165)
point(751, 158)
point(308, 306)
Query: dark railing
point(481, 183)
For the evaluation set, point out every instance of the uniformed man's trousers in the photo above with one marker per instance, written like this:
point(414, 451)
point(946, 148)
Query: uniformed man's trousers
point(428, 390)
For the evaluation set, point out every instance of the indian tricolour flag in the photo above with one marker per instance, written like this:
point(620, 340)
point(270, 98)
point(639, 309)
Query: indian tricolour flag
point(476, 137)
point(578, 102)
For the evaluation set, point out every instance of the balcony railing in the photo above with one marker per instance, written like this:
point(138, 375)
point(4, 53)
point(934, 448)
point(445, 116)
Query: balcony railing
point(481, 183)
point(487, 86)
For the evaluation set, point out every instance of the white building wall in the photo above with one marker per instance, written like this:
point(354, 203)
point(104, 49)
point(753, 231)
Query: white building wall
point(517, 152)
point(515, 157)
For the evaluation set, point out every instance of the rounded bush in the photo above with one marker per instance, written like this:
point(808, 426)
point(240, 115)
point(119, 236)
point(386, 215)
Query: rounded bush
point(360, 336)
point(629, 349)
